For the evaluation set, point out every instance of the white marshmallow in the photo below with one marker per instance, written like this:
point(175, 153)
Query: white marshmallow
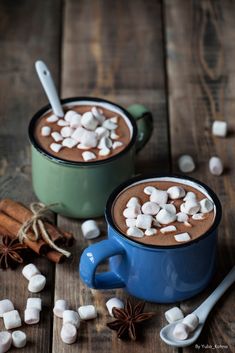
point(150, 208)
point(180, 331)
point(135, 232)
point(77, 134)
point(206, 205)
point(37, 283)
point(31, 316)
point(45, 131)
point(169, 207)
point(89, 121)
point(216, 166)
point(19, 339)
point(68, 115)
point(117, 144)
point(114, 136)
point(5, 306)
point(114, 303)
point(5, 341)
point(52, 118)
point(69, 142)
point(60, 306)
point(190, 195)
point(181, 217)
point(68, 333)
point(104, 152)
point(187, 224)
point(181, 237)
point(131, 222)
point(62, 122)
point(144, 221)
point(90, 229)
point(174, 314)
point(87, 312)
point(29, 271)
point(66, 131)
point(105, 142)
point(88, 156)
point(148, 190)
point(101, 132)
point(89, 139)
point(186, 163)
point(198, 216)
point(11, 319)
point(165, 217)
point(159, 196)
point(109, 124)
point(168, 229)
point(35, 303)
point(219, 128)
point(176, 192)
point(133, 202)
point(71, 317)
point(114, 119)
point(150, 231)
point(56, 136)
point(190, 207)
point(55, 147)
point(191, 321)
point(82, 147)
point(98, 114)
point(75, 121)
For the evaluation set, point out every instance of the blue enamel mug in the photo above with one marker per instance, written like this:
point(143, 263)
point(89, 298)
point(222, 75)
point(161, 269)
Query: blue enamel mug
point(163, 274)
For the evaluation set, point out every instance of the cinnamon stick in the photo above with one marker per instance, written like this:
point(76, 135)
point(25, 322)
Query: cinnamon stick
point(4, 231)
point(55, 256)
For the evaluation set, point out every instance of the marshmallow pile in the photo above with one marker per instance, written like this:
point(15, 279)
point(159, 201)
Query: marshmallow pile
point(143, 220)
point(36, 280)
point(85, 132)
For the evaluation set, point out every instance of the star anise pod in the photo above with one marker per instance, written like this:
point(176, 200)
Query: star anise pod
point(128, 318)
point(10, 252)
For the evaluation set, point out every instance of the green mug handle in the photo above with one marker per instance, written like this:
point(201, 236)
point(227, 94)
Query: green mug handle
point(144, 120)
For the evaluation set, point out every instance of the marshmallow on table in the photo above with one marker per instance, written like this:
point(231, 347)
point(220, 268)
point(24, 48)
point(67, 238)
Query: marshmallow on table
point(56, 136)
point(190, 207)
point(31, 316)
point(219, 128)
point(5, 341)
point(180, 331)
point(29, 271)
point(148, 190)
point(19, 339)
point(135, 232)
point(198, 216)
point(131, 212)
point(114, 303)
point(89, 121)
point(168, 229)
point(190, 195)
point(206, 205)
point(186, 163)
point(45, 131)
point(66, 131)
point(69, 142)
point(181, 237)
point(117, 144)
point(102, 132)
point(68, 333)
point(216, 166)
point(159, 196)
point(55, 147)
point(105, 142)
point(60, 306)
point(90, 229)
point(165, 217)
point(77, 134)
point(174, 314)
point(5, 306)
point(176, 192)
point(109, 124)
point(181, 217)
point(150, 208)
point(35, 303)
point(87, 312)
point(62, 122)
point(71, 317)
point(130, 222)
point(191, 321)
point(11, 319)
point(89, 139)
point(169, 207)
point(133, 202)
point(88, 156)
point(52, 118)
point(150, 231)
point(37, 283)
point(144, 221)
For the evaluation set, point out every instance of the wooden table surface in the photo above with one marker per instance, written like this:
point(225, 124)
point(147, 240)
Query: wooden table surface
point(175, 56)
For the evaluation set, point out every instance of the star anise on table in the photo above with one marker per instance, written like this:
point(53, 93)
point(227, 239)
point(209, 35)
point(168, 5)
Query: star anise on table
point(128, 318)
point(10, 252)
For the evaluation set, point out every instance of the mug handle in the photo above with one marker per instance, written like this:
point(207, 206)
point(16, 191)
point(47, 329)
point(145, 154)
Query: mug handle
point(90, 260)
point(144, 120)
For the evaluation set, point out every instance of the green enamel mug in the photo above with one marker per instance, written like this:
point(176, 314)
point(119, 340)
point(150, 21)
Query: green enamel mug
point(81, 189)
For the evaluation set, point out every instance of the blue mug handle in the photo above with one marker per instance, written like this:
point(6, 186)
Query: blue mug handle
point(90, 260)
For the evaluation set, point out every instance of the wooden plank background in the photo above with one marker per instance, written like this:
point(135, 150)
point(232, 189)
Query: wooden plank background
point(176, 57)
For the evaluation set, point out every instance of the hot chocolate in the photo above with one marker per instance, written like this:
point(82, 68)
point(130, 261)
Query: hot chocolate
point(163, 212)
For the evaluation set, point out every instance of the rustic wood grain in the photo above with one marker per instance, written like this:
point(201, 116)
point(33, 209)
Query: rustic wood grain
point(201, 81)
point(28, 31)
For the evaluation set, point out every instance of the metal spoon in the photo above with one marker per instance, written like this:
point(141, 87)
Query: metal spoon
point(202, 312)
point(49, 87)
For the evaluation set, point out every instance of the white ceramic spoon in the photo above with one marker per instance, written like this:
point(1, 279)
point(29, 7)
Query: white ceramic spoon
point(49, 87)
point(202, 312)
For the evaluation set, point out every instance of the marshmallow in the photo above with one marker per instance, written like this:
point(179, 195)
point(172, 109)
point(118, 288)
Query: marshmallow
point(133, 202)
point(186, 163)
point(68, 115)
point(144, 221)
point(87, 312)
point(165, 217)
point(77, 134)
point(19, 339)
point(5, 341)
point(104, 152)
point(190, 195)
point(90, 229)
point(159, 196)
point(114, 303)
point(174, 314)
point(37, 283)
point(45, 131)
point(191, 321)
point(101, 132)
point(150, 231)
point(60, 306)
point(11, 319)
point(68, 333)
point(135, 232)
point(168, 229)
point(150, 208)
point(56, 136)
point(148, 190)
point(29, 271)
point(187, 224)
point(219, 128)
point(180, 332)
point(169, 207)
point(114, 119)
point(62, 122)
point(109, 124)
point(105, 142)
point(89, 121)
point(98, 114)
point(198, 216)
point(52, 118)
point(83, 147)
point(190, 207)
point(131, 222)
point(117, 144)
point(216, 166)
point(75, 121)
point(206, 205)
point(131, 212)
point(5, 306)
point(55, 147)
point(31, 316)
point(88, 156)
point(69, 142)
point(181, 217)
point(89, 139)
point(114, 136)
point(181, 237)
point(71, 317)
point(176, 192)
point(66, 131)
point(35, 303)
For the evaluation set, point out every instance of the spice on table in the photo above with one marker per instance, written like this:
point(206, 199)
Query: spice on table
point(10, 252)
point(128, 318)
